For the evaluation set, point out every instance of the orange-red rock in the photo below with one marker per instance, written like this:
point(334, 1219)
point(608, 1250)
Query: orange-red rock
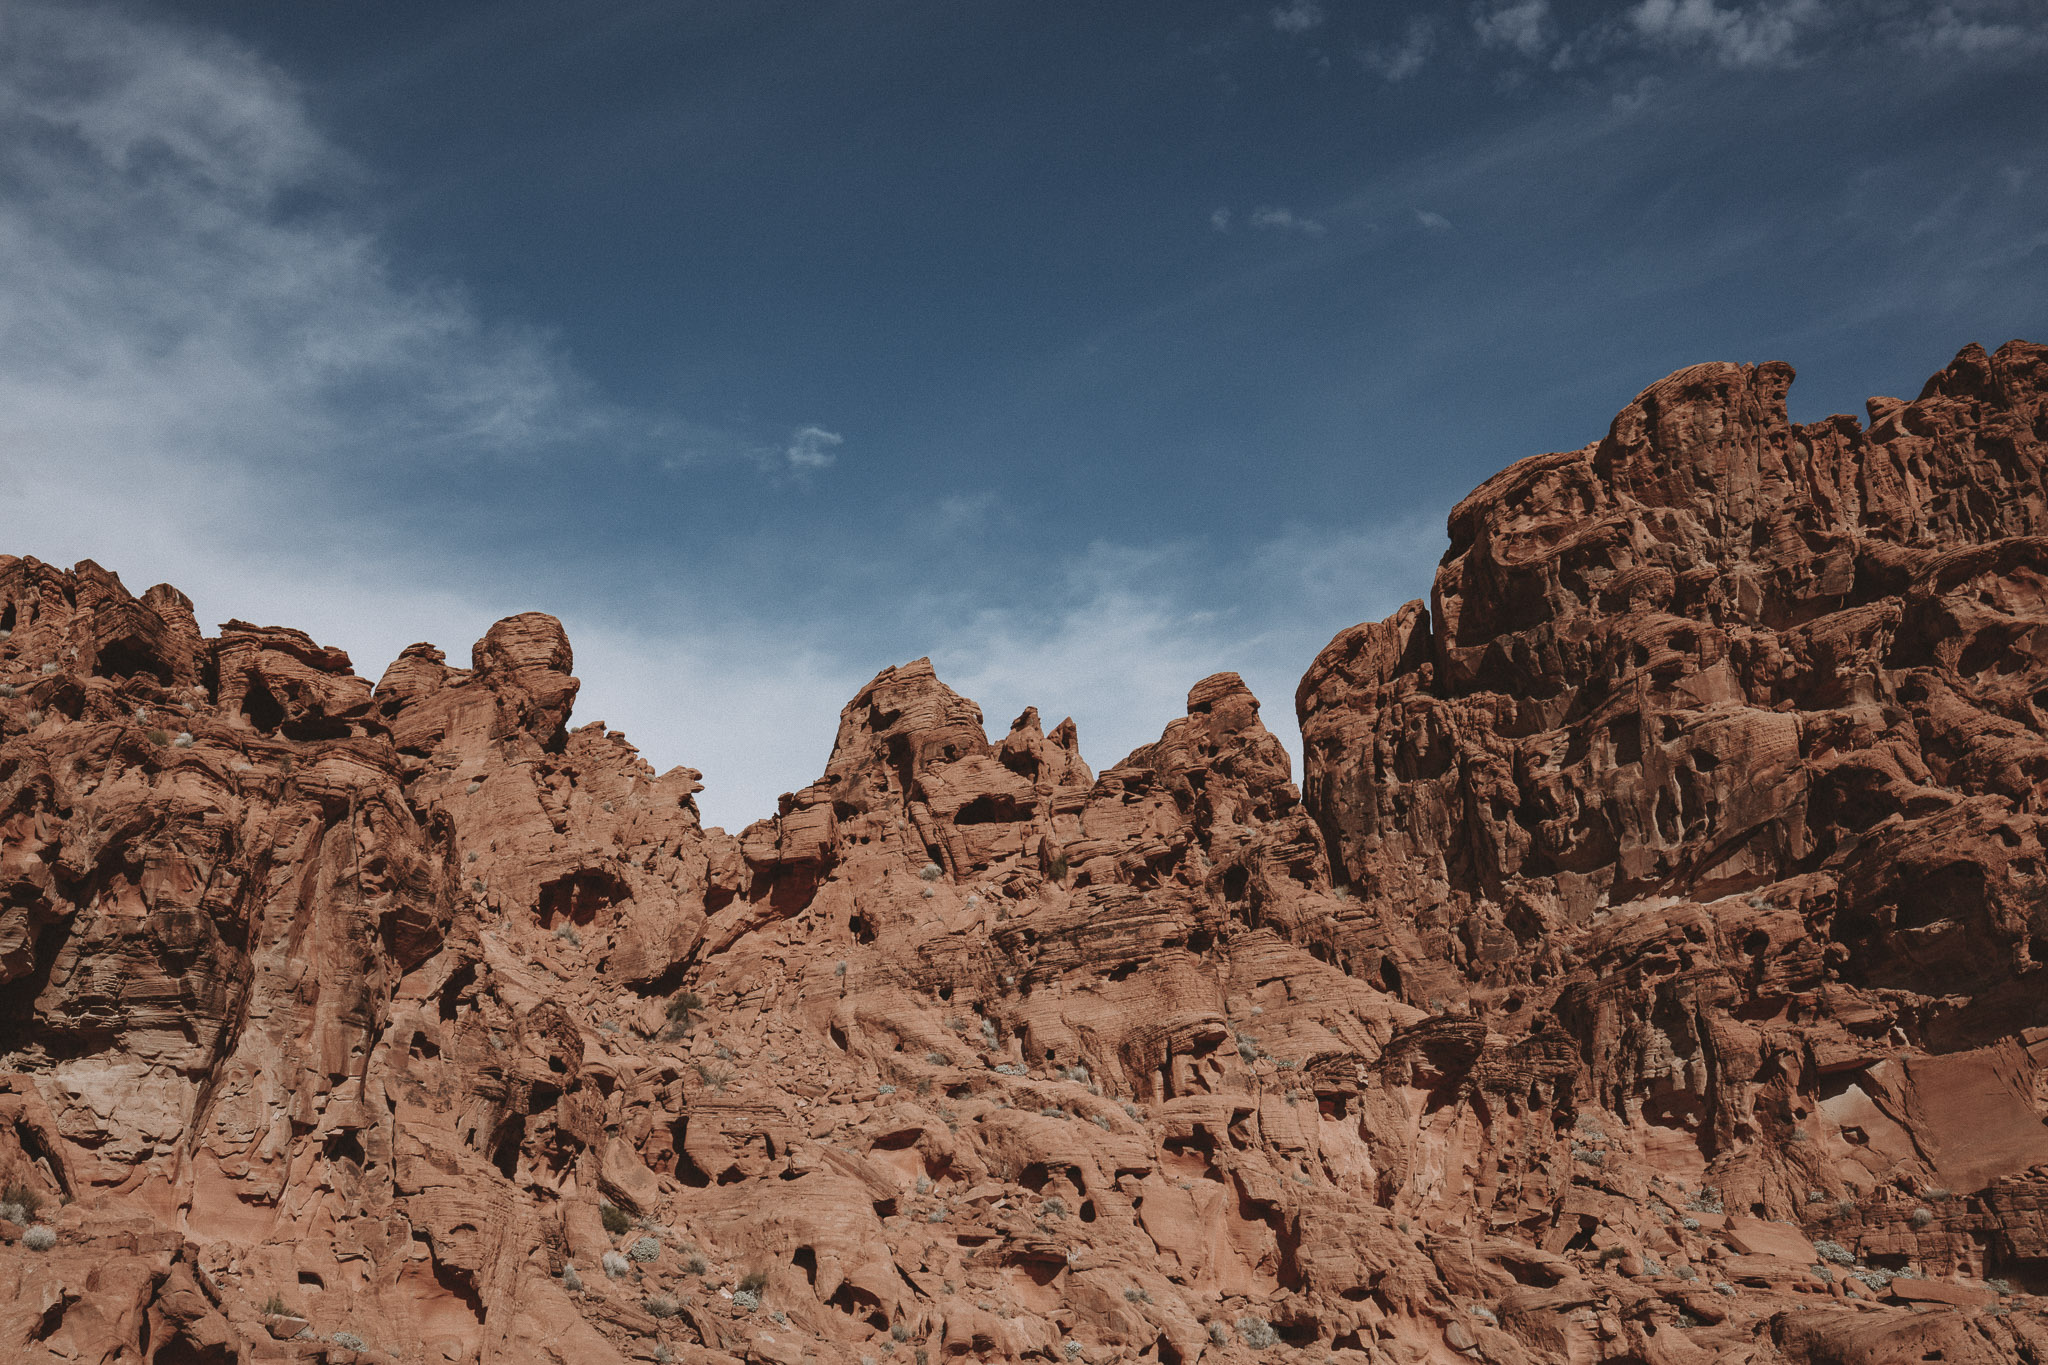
point(1652, 949)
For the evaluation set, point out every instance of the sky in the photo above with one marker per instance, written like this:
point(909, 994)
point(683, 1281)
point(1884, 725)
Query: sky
point(1086, 349)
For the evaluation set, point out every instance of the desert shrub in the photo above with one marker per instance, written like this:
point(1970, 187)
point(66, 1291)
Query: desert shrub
point(1100, 1122)
point(567, 933)
point(1055, 1207)
point(930, 872)
point(681, 1007)
point(1071, 1348)
point(1686, 1272)
point(20, 1204)
point(1219, 1335)
point(1256, 1332)
point(935, 1216)
point(1689, 1224)
point(900, 1332)
point(885, 1089)
point(1013, 1069)
point(749, 1299)
point(1834, 1251)
point(662, 1306)
point(1052, 1111)
point(614, 1219)
point(715, 1077)
point(1135, 1295)
point(1999, 1286)
point(644, 1250)
point(616, 1266)
point(1707, 1200)
point(1247, 1047)
point(754, 1281)
point(924, 1184)
point(39, 1238)
point(349, 1341)
point(695, 1263)
point(1725, 1289)
point(273, 1307)
point(1077, 1072)
point(1922, 1216)
point(571, 1281)
point(937, 1059)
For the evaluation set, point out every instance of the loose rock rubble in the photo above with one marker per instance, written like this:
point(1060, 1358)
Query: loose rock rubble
point(1648, 969)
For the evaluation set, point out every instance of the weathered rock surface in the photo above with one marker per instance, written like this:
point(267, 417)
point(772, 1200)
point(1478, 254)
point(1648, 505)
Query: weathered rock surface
point(1649, 968)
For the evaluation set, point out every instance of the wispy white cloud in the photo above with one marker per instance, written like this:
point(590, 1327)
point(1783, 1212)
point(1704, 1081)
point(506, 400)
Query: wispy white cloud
point(812, 448)
point(1297, 16)
point(1286, 220)
point(1760, 35)
point(1989, 29)
point(1219, 219)
point(1520, 26)
point(1396, 62)
point(1435, 222)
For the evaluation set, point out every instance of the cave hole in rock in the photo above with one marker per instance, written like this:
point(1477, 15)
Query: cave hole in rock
point(1122, 971)
point(343, 1145)
point(7, 624)
point(311, 1278)
point(862, 931)
point(838, 1036)
point(1235, 883)
point(263, 710)
point(1165, 1352)
point(580, 896)
point(460, 980)
point(687, 1171)
point(505, 1144)
point(1390, 976)
point(858, 1303)
point(995, 808)
point(1299, 1331)
point(129, 657)
point(806, 1260)
point(182, 1350)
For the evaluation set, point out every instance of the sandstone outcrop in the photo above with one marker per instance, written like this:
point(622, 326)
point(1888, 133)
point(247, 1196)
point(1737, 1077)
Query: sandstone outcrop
point(1648, 967)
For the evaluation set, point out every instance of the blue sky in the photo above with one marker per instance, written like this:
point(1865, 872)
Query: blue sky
point(1087, 349)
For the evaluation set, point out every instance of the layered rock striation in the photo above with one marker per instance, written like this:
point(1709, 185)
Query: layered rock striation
point(1649, 967)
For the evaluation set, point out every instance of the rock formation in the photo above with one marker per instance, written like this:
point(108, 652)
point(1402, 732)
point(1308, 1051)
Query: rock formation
point(1649, 968)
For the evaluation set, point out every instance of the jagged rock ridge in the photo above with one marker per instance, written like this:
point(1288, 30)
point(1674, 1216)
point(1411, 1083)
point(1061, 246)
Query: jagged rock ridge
point(1649, 968)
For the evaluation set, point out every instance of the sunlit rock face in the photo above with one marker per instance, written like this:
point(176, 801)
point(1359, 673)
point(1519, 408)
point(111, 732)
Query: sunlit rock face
point(1649, 966)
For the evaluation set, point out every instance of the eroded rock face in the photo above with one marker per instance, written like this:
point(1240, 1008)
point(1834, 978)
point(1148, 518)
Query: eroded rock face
point(1653, 959)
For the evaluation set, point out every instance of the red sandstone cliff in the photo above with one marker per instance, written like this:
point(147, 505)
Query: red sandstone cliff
point(1650, 967)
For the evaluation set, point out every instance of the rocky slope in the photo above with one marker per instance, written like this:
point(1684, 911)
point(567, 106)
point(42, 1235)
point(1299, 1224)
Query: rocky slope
point(1649, 967)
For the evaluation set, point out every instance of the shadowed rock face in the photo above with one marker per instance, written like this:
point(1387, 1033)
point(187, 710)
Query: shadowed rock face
point(1649, 967)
